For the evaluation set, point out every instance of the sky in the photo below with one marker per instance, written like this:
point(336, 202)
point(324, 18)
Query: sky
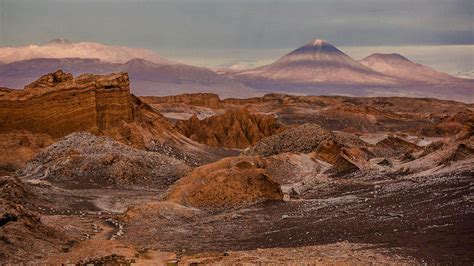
point(249, 32)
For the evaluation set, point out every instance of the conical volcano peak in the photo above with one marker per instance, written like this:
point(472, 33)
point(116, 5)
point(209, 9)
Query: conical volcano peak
point(317, 46)
point(317, 61)
point(316, 50)
point(319, 42)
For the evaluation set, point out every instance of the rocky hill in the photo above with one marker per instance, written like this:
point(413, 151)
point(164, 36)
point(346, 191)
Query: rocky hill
point(211, 100)
point(225, 184)
point(82, 160)
point(233, 129)
point(302, 139)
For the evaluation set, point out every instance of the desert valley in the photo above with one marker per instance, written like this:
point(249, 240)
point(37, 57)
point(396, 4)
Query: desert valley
point(94, 174)
point(217, 132)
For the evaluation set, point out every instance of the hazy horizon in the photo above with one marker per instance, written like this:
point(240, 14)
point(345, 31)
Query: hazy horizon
point(457, 60)
point(214, 34)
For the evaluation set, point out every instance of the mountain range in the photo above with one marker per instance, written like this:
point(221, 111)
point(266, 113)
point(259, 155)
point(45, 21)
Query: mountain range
point(316, 68)
point(147, 78)
point(317, 62)
point(320, 68)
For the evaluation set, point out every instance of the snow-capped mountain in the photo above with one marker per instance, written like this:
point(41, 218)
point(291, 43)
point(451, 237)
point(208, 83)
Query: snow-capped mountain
point(398, 66)
point(317, 62)
point(319, 68)
point(62, 48)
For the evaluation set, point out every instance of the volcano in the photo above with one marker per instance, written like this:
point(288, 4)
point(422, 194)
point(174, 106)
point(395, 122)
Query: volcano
point(318, 62)
point(398, 66)
point(319, 68)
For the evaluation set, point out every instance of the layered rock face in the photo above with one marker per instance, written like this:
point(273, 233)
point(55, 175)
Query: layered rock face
point(393, 146)
point(234, 129)
point(58, 104)
point(198, 99)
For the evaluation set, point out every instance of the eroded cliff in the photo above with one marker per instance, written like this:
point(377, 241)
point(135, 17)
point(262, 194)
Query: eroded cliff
point(58, 104)
point(234, 129)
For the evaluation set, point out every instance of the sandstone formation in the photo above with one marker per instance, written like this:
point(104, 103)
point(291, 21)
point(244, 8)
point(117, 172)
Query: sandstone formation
point(460, 151)
point(459, 123)
point(349, 114)
point(82, 160)
point(296, 173)
point(438, 154)
point(58, 104)
point(197, 99)
point(87, 103)
point(393, 146)
point(228, 183)
point(234, 129)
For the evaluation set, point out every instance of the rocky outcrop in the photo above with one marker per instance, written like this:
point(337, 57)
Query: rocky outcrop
point(234, 129)
point(12, 188)
point(460, 151)
point(442, 155)
point(296, 173)
point(50, 80)
point(460, 123)
point(83, 160)
point(302, 139)
point(228, 183)
point(346, 153)
point(197, 99)
point(394, 146)
point(21, 146)
point(57, 104)
point(23, 235)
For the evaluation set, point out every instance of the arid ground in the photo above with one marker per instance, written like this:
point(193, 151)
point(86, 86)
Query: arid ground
point(93, 174)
